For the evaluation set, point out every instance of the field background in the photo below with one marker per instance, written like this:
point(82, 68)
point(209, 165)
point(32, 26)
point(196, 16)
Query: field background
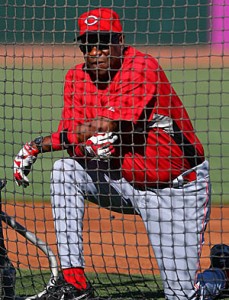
point(118, 256)
point(32, 85)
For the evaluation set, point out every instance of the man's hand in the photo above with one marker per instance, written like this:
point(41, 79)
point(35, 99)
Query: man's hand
point(101, 145)
point(23, 163)
point(88, 129)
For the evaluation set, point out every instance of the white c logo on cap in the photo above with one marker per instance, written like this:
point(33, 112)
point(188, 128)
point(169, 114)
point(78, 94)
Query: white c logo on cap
point(91, 20)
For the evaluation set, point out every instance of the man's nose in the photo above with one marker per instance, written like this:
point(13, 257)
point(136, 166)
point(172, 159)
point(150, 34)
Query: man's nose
point(95, 51)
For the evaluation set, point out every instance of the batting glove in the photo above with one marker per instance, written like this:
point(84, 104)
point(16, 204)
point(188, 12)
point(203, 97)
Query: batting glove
point(23, 163)
point(101, 145)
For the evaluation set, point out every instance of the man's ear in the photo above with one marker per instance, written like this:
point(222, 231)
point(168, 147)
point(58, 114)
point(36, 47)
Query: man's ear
point(121, 39)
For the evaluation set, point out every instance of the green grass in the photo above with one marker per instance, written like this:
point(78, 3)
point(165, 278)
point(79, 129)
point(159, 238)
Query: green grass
point(31, 105)
point(113, 285)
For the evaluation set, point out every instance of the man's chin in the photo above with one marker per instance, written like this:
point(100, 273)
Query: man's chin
point(99, 74)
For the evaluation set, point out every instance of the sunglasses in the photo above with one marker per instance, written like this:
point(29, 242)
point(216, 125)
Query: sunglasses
point(101, 42)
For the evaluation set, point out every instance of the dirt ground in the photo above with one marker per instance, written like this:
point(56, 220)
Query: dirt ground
point(113, 242)
point(66, 56)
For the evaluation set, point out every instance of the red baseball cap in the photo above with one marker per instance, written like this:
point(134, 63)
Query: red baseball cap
point(99, 20)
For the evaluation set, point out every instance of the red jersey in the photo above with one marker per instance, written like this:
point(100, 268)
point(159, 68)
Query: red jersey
point(164, 144)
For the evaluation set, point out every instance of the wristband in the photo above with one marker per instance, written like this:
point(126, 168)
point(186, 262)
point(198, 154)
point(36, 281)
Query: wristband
point(38, 142)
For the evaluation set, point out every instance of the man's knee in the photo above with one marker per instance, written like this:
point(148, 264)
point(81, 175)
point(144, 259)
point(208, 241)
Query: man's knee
point(68, 171)
point(62, 166)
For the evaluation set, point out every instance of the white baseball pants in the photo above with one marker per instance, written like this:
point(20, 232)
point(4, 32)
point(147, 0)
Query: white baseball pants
point(174, 218)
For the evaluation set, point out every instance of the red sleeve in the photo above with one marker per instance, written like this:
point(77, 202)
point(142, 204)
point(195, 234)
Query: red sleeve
point(71, 114)
point(169, 104)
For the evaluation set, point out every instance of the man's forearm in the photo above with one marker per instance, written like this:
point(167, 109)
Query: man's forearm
point(87, 130)
point(83, 131)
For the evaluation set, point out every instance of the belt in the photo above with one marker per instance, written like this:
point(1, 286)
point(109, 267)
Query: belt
point(179, 181)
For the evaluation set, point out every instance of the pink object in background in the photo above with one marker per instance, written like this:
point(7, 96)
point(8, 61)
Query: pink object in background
point(220, 24)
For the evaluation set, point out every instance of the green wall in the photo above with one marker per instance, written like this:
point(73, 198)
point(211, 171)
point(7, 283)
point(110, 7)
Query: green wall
point(144, 22)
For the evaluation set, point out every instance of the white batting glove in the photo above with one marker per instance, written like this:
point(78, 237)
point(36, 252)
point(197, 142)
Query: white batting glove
point(23, 163)
point(101, 145)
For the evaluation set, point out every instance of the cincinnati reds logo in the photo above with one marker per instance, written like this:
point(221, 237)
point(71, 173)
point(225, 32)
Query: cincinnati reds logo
point(91, 20)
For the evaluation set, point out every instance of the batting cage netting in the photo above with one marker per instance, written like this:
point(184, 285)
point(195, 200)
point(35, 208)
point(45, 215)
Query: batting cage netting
point(127, 102)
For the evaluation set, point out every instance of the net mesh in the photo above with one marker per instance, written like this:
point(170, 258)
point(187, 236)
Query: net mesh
point(190, 40)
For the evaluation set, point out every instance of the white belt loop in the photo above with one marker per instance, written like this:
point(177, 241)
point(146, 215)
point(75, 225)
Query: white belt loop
point(178, 182)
